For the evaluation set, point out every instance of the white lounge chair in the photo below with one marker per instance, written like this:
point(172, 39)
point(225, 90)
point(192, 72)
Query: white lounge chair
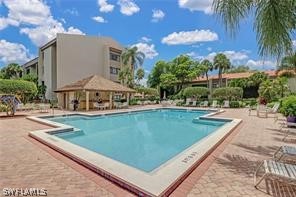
point(226, 104)
point(214, 104)
point(204, 104)
point(285, 153)
point(274, 109)
point(99, 105)
point(193, 104)
point(275, 170)
point(188, 101)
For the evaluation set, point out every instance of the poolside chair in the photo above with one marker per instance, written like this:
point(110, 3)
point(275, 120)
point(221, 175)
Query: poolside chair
point(274, 109)
point(261, 109)
point(99, 105)
point(193, 104)
point(285, 153)
point(124, 105)
point(214, 104)
point(204, 104)
point(275, 170)
point(188, 101)
point(226, 104)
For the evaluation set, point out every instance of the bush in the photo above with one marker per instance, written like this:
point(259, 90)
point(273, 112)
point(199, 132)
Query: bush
point(24, 89)
point(3, 108)
point(228, 93)
point(289, 106)
point(147, 91)
point(234, 104)
point(250, 101)
point(196, 92)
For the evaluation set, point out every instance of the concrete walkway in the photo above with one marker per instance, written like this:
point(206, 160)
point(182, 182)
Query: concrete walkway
point(228, 171)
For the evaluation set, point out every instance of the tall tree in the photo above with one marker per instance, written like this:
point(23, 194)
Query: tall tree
point(205, 67)
point(140, 73)
point(158, 69)
point(288, 62)
point(274, 22)
point(133, 56)
point(12, 70)
point(222, 63)
point(126, 77)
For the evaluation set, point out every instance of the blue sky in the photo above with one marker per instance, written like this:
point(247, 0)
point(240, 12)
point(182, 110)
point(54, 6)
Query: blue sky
point(162, 29)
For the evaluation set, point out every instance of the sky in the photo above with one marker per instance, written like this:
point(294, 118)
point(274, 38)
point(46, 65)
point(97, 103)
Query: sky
point(162, 29)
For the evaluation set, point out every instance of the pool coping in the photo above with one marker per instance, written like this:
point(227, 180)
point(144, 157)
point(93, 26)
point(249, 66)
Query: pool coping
point(161, 182)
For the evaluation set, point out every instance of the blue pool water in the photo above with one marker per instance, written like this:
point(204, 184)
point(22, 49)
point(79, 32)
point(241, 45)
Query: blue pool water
point(144, 140)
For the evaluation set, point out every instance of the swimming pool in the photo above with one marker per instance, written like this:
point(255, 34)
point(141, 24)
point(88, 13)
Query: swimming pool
point(144, 140)
point(146, 151)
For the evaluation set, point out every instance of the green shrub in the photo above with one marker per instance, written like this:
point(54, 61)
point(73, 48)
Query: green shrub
point(24, 89)
point(228, 93)
point(147, 91)
point(250, 101)
point(3, 108)
point(196, 92)
point(289, 106)
point(133, 101)
point(234, 104)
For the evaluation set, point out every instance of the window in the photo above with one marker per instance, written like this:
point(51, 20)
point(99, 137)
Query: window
point(115, 57)
point(28, 71)
point(114, 70)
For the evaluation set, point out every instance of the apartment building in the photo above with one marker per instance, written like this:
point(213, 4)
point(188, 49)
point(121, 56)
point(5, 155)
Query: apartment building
point(68, 58)
point(31, 67)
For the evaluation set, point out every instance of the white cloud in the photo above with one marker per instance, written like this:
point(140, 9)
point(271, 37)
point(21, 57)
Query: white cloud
point(157, 15)
point(261, 64)
point(145, 39)
point(197, 5)
point(190, 37)
point(28, 12)
point(42, 34)
point(35, 20)
point(235, 57)
point(148, 50)
point(72, 11)
point(99, 19)
point(128, 7)
point(105, 6)
point(294, 43)
point(13, 52)
point(209, 48)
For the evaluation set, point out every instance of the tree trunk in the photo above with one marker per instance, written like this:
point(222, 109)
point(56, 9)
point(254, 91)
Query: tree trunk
point(207, 80)
point(220, 78)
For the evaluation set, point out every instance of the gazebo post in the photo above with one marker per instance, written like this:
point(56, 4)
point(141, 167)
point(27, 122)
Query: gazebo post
point(127, 97)
point(87, 100)
point(110, 99)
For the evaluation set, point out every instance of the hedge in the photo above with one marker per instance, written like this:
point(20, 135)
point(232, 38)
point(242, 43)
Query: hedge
point(228, 93)
point(197, 92)
point(24, 89)
point(147, 91)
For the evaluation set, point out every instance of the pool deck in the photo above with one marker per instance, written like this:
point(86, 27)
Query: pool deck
point(228, 171)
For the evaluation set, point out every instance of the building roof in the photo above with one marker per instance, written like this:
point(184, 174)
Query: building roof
point(30, 62)
point(270, 73)
point(95, 83)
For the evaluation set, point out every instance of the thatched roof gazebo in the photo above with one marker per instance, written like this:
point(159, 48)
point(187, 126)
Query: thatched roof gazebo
point(95, 83)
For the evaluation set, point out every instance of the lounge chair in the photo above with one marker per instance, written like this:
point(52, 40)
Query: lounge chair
point(261, 109)
point(226, 104)
point(99, 105)
point(274, 109)
point(285, 153)
point(187, 102)
point(204, 104)
point(44, 108)
point(193, 104)
point(275, 170)
point(214, 104)
point(124, 105)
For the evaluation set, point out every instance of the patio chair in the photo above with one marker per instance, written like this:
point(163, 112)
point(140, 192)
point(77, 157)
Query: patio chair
point(226, 104)
point(204, 104)
point(193, 104)
point(99, 106)
point(274, 109)
point(214, 104)
point(285, 153)
point(188, 101)
point(44, 108)
point(124, 105)
point(277, 171)
point(261, 109)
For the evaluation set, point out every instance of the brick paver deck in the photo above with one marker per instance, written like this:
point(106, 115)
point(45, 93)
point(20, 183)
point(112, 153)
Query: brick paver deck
point(228, 171)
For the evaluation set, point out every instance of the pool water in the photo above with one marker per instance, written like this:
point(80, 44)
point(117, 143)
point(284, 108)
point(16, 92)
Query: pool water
point(144, 140)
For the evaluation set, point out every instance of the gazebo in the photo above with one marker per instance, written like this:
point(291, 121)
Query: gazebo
point(90, 90)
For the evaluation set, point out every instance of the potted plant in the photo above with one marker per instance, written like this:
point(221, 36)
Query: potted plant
point(289, 108)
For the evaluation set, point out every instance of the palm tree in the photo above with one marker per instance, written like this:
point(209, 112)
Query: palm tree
point(288, 63)
point(126, 77)
point(12, 70)
point(205, 67)
point(222, 63)
point(274, 22)
point(139, 75)
point(133, 56)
